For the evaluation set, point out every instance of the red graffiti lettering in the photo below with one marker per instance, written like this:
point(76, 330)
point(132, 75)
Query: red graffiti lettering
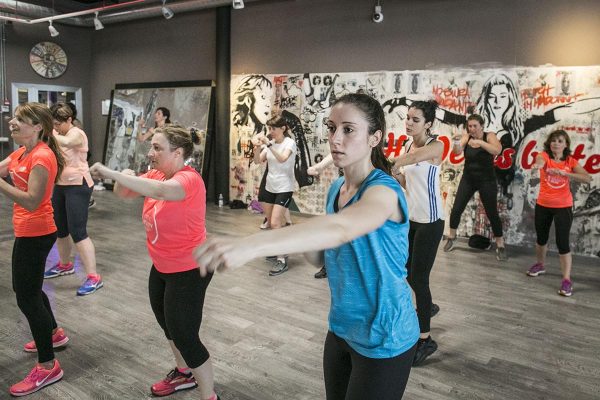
point(528, 157)
point(504, 160)
point(394, 148)
point(539, 97)
point(592, 164)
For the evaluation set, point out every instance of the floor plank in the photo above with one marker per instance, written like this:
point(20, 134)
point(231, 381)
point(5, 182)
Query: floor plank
point(501, 335)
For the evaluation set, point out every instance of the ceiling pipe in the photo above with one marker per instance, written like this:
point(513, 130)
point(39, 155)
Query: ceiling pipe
point(36, 14)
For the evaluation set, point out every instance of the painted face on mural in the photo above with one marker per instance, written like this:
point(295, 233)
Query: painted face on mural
point(499, 99)
point(262, 104)
point(415, 123)
point(348, 135)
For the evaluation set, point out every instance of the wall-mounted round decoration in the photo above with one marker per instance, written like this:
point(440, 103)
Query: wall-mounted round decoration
point(48, 60)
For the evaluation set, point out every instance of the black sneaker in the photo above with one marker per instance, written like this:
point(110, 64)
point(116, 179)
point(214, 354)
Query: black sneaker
point(92, 203)
point(322, 273)
point(271, 258)
point(279, 268)
point(425, 348)
point(434, 309)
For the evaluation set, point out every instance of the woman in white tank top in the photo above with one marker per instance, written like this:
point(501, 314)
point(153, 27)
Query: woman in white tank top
point(420, 178)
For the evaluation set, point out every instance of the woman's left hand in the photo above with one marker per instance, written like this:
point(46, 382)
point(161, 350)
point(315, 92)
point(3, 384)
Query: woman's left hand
point(99, 170)
point(476, 142)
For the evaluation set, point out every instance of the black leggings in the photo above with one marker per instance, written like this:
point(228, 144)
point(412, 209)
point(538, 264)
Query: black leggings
point(177, 300)
point(28, 264)
point(351, 376)
point(563, 219)
point(488, 193)
point(423, 241)
point(71, 204)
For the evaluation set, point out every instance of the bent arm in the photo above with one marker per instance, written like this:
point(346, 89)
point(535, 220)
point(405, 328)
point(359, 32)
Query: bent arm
point(432, 151)
point(4, 167)
point(71, 140)
point(280, 156)
point(36, 187)
point(320, 166)
point(580, 175)
point(492, 145)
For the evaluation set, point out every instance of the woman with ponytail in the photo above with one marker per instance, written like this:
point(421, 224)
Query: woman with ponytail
point(373, 328)
point(33, 169)
point(421, 179)
point(71, 199)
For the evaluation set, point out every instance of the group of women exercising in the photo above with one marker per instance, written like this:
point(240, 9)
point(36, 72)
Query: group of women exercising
point(378, 239)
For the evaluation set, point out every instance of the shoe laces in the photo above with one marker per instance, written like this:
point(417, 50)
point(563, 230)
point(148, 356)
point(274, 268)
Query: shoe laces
point(35, 374)
point(174, 373)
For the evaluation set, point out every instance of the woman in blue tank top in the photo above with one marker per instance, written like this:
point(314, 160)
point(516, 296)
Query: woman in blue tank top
point(373, 328)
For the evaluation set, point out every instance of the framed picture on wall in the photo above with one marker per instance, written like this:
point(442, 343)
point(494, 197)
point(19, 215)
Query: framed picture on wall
point(133, 107)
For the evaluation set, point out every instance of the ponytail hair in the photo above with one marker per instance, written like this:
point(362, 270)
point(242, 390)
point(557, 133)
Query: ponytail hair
point(375, 117)
point(38, 113)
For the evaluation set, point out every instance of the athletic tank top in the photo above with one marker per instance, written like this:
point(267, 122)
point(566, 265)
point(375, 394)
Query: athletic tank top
point(478, 162)
point(423, 190)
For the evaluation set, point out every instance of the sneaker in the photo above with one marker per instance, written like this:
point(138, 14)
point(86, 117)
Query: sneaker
point(271, 259)
point(425, 348)
point(536, 269)
point(279, 268)
point(501, 254)
point(92, 203)
point(434, 309)
point(566, 288)
point(91, 284)
point(449, 246)
point(59, 339)
point(174, 381)
point(59, 270)
point(38, 378)
point(265, 224)
point(322, 273)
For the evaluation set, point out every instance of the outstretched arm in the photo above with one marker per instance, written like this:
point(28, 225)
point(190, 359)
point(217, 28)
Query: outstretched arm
point(36, 187)
point(170, 189)
point(316, 169)
point(71, 140)
point(432, 151)
point(378, 204)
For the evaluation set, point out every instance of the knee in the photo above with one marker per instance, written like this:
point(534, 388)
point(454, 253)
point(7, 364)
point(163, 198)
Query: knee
point(79, 235)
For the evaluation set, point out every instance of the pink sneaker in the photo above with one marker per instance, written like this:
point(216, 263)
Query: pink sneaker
point(38, 378)
point(174, 381)
point(536, 269)
point(59, 339)
point(566, 288)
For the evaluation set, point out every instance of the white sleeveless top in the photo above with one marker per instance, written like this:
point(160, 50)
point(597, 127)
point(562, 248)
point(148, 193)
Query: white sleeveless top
point(423, 190)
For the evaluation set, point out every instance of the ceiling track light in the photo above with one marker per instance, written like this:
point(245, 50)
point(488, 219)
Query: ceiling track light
point(238, 4)
point(166, 11)
point(97, 23)
point(53, 31)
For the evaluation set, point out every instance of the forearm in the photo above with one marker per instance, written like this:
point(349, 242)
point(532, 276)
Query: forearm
point(134, 184)
point(492, 149)
point(24, 199)
point(582, 178)
point(68, 142)
point(278, 156)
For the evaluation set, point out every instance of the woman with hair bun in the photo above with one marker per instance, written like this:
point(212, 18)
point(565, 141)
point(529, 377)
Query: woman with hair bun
point(174, 216)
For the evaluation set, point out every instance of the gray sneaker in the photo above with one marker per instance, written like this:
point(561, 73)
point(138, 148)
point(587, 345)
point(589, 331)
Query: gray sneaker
point(279, 268)
point(501, 254)
point(449, 246)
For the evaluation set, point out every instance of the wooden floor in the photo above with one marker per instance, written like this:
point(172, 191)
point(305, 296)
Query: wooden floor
point(501, 335)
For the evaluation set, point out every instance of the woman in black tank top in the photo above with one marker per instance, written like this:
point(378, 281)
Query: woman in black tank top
point(479, 148)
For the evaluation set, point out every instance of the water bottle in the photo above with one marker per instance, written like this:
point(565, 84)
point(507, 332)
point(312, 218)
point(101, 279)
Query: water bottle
point(221, 201)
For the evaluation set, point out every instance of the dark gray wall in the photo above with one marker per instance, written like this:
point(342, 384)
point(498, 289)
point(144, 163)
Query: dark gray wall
point(152, 50)
point(315, 35)
point(338, 35)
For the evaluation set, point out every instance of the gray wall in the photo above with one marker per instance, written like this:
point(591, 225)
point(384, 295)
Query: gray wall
point(315, 35)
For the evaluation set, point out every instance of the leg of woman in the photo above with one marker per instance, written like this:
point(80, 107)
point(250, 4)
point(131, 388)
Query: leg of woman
point(77, 201)
point(488, 193)
point(337, 367)
point(63, 243)
point(381, 379)
point(563, 219)
point(464, 193)
point(183, 303)
point(29, 260)
point(543, 220)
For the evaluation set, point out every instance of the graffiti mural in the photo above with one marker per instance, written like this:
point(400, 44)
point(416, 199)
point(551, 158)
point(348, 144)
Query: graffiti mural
point(521, 104)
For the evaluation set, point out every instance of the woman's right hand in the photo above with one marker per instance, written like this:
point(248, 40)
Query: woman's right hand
point(220, 253)
point(99, 170)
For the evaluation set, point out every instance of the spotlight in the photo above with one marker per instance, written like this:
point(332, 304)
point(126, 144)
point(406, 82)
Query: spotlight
point(238, 4)
point(377, 14)
point(166, 11)
point(97, 23)
point(53, 31)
